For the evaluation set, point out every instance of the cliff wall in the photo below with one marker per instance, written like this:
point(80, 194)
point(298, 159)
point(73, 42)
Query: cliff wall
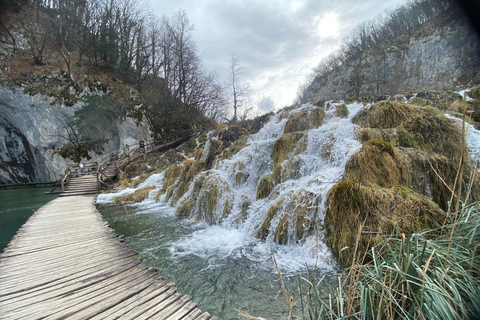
point(32, 130)
point(442, 55)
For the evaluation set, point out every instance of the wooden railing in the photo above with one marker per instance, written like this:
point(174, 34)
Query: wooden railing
point(98, 166)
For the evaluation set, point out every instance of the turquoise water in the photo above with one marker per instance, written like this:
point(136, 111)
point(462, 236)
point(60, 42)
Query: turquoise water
point(220, 281)
point(16, 206)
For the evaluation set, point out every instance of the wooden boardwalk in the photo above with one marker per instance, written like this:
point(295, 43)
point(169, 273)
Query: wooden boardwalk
point(66, 263)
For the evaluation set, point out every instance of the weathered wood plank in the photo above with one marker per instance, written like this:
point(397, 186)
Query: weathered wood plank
point(137, 311)
point(194, 314)
point(133, 302)
point(66, 263)
point(62, 285)
point(187, 309)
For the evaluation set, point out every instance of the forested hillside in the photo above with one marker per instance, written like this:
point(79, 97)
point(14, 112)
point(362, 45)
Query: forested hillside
point(102, 75)
point(425, 45)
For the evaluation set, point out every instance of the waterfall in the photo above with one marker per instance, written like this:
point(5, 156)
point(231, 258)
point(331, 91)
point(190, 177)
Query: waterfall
point(237, 219)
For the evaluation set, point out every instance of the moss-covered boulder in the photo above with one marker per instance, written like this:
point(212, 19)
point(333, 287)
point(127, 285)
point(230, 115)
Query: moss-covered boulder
point(272, 212)
point(265, 186)
point(138, 196)
point(377, 163)
point(294, 218)
point(342, 110)
point(188, 171)
point(359, 217)
point(305, 120)
point(284, 171)
point(210, 200)
point(286, 144)
point(434, 176)
point(387, 114)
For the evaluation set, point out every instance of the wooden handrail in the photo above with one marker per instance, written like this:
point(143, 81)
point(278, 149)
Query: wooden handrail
point(116, 156)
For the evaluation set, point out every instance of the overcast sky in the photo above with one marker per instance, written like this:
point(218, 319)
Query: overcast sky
point(278, 41)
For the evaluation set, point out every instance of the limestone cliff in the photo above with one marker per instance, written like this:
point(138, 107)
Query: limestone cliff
point(441, 55)
point(32, 130)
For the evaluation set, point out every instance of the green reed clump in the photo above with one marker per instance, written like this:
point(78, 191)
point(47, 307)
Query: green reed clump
point(434, 274)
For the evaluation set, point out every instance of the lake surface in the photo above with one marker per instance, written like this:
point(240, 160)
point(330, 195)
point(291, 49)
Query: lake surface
point(16, 206)
point(205, 263)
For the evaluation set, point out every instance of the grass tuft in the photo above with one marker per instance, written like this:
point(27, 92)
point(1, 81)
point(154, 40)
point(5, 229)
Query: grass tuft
point(429, 275)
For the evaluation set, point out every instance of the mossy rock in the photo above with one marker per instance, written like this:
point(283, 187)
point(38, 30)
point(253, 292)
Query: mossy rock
point(189, 169)
point(365, 134)
point(135, 169)
point(387, 114)
point(212, 196)
point(272, 212)
point(281, 231)
point(232, 133)
point(372, 214)
point(436, 133)
point(184, 209)
point(215, 149)
point(141, 178)
point(235, 147)
point(377, 163)
point(305, 120)
point(138, 196)
point(405, 139)
point(285, 145)
point(419, 101)
point(171, 176)
point(342, 110)
point(297, 218)
point(285, 171)
point(475, 93)
point(435, 176)
point(265, 186)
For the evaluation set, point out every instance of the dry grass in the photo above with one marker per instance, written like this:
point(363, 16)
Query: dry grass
point(285, 145)
point(377, 163)
point(305, 120)
point(138, 196)
point(265, 186)
point(381, 211)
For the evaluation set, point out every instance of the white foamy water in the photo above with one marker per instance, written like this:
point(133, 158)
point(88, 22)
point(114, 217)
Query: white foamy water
point(317, 169)
point(316, 172)
point(473, 139)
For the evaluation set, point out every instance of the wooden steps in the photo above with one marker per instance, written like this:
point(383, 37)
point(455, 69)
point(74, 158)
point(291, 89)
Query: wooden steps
point(81, 185)
point(66, 263)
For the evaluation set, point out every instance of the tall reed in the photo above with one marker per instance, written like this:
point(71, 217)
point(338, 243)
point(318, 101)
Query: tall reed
point(434, 274)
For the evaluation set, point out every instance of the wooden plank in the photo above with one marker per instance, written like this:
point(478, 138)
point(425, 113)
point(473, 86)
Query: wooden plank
point(205, 316)
point(84, 296)
point(192, 315)
point(183, 311)
point(66, 262)
point(174, 307)
point(137, 311)
point(157, 308)
point(63, 285)
point(136, 301)
point(90, 308)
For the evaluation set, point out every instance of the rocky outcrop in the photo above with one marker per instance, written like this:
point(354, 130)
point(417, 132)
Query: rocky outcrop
point(32, 131)
point(443, 55)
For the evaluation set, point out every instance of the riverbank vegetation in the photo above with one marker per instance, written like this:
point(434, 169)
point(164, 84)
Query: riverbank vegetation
point(432, 274)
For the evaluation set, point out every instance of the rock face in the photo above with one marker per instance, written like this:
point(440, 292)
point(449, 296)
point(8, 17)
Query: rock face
point(432, 58)
point(32, 131)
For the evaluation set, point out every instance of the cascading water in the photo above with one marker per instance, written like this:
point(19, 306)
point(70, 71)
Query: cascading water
point(269, 197)
point(241, 222)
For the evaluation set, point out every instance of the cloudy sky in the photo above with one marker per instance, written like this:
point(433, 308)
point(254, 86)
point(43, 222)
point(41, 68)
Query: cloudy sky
point(278, 41)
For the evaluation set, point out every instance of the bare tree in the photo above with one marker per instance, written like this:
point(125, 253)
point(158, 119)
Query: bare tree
point(239, 88)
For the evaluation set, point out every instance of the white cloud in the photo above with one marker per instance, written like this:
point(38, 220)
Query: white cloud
point(327, 25)
point(279, 42)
